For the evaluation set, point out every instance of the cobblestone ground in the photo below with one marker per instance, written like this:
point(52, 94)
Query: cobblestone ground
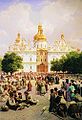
point(33, 112)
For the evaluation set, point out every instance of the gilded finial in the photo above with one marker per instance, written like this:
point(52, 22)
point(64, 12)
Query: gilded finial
point(18, 35)
point(18, 38)
point(40, 27)
point(62, 36)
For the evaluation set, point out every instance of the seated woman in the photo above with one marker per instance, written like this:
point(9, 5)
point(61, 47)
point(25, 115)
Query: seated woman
point(73, 109)
point(19, 97)
point(78, 97)
point(28, 99)
point(11, 102)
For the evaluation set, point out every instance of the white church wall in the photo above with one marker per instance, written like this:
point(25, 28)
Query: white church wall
point(29, 57)
point(29, 67)
point(49, 66)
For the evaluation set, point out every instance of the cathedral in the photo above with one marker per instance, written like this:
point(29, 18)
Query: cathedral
point(38, 58)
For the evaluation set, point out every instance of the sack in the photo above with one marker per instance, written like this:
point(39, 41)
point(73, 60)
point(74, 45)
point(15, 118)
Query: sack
point(63, 101)
point(4, 108)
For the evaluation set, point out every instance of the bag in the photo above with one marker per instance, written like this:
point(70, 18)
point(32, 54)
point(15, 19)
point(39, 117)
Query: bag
point(4, 108)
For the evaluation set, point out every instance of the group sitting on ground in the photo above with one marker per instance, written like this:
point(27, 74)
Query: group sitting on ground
point(11, 92)
point(67, 100)
point(16, 101)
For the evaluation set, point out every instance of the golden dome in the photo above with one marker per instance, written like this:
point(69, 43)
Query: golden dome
point(39, 35)
point(18, 38)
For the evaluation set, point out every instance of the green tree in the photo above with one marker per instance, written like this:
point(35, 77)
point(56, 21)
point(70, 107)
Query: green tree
point(11, 62)
point(80, 63)
point(55, 65)
point(62, 61)
point(72, 62)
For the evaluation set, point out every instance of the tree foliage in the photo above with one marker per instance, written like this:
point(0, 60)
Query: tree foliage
point(71, 63)
point(11, 62)
point(55, 65)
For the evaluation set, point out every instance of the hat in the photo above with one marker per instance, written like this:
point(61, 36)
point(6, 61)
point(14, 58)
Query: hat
point(19, 93)
point(26, 92)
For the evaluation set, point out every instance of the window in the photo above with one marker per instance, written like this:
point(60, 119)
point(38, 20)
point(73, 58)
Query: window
point(31, 67)
point(30, 59)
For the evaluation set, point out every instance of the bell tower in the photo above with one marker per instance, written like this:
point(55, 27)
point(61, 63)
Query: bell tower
point(40, 43)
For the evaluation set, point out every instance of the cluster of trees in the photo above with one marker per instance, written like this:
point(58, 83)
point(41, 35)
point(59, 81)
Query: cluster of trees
point(71, 63)
point(11, 62)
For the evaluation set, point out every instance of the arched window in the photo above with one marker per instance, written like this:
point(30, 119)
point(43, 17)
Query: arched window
point(30, 59)
point(30, 67)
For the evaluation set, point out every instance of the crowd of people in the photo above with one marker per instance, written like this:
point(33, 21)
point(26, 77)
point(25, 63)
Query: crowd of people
point(67, 99)
point(15, 91)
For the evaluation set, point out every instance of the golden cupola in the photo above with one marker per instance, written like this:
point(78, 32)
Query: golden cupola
point(18, 38)
point(40, 35)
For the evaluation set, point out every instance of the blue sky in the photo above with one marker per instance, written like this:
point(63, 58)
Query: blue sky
point(6, 3)
point(56, 16)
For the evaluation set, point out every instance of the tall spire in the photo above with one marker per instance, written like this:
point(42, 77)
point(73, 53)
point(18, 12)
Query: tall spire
point(40, 30)
point(62, 36)
point(18, 38)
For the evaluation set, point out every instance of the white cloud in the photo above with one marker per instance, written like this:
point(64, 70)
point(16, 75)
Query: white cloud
point(14, 19)
point(57, 16)
point(64, 17)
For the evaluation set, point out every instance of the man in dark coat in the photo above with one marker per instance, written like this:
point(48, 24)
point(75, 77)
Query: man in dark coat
point(52, 101)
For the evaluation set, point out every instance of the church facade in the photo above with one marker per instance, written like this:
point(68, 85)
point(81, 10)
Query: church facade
point(38, 58)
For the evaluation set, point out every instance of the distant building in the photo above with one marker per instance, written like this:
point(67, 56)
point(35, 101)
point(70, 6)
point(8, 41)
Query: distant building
point(38, 57)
